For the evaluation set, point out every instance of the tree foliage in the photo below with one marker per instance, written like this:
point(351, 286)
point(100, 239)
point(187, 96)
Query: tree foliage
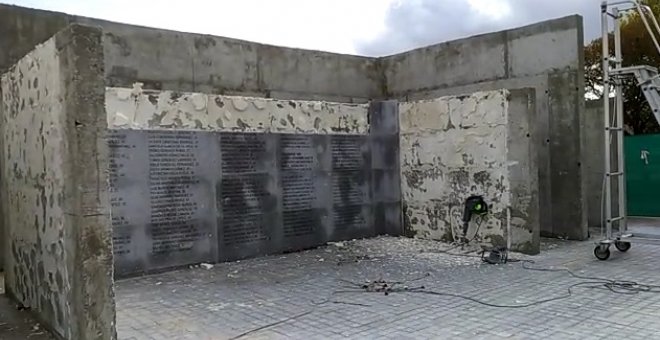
point(637, 49)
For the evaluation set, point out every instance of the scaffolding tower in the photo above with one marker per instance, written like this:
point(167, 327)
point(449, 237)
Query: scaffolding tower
point(647, 77)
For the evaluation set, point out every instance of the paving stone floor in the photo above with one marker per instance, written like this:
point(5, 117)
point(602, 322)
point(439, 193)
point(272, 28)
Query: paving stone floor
point(312, 295)
point(18, 324)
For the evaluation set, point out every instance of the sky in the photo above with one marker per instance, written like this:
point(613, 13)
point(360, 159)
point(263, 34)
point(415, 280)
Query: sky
point(364, 27)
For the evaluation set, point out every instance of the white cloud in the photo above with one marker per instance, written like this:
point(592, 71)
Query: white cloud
point(494, 9)
point(331, 25)
point(370, 27)
point(416, 23)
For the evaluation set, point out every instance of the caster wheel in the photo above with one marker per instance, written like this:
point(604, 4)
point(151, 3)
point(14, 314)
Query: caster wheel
point(622, 246)
point(602, 253)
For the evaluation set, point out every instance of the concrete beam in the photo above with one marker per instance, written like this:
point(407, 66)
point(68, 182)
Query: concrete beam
point(177, 61)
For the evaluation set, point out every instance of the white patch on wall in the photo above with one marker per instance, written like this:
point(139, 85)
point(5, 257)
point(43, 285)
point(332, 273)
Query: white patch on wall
point(451, 148)
point(146, 109)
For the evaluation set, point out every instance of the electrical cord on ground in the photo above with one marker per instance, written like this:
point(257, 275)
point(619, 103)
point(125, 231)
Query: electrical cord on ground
point(423, 290)
point(615, 286)
point(623, 287)
point(458, 244)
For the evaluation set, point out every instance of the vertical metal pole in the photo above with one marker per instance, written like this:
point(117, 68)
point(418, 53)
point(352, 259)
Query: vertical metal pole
point(619, 124)
point(606, 111)
point(508, 228)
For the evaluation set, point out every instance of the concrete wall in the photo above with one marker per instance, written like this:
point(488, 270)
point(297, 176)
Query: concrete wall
point(55, 203)
point(148, 109)
point(594, 160)
point(198, 177)
point(170, 60)
point(478, 144)
point(548, 57)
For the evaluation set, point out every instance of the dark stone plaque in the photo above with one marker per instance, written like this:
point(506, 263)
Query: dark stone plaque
point(298, 153)
point(305, 190)
point(350, 187)
point(244, 201)
point(245, 152)
point(180, 195)
point(127, 187)
point(349, 152)
point(248, 195)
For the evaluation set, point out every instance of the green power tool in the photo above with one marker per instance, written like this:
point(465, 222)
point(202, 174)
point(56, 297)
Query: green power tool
point(474, 205)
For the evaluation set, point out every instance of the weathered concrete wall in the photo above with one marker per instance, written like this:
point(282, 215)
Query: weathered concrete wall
point(169, 60)
point(594, 159)
point(33, 130)
point(55, 202)
point(478, 144)
point(148, 109)
point(548, 57)
point(209, 178)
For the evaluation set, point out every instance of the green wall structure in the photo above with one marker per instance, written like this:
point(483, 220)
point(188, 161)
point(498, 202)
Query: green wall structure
point(643, 177)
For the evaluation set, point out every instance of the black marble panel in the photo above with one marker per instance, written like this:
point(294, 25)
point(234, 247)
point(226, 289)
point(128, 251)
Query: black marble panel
point(185, 197)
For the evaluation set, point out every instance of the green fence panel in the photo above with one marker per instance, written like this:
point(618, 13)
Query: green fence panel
point(642, 155)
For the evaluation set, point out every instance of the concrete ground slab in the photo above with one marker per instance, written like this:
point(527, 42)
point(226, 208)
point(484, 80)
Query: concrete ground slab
point(18, 324)
point(646, 225)
point(312, 295)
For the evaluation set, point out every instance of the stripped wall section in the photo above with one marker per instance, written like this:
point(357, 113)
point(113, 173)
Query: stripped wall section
point(454, 147)
point(37, 273)
point(147, 109)
point(512, 59)
point(54, 199)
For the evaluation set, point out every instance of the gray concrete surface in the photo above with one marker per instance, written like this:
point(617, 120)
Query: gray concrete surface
point(645, 225)
point(594, 160)
point(170, 60)
point(18, 324)
point(310, 295)
point(546, 56)
point(58, 237)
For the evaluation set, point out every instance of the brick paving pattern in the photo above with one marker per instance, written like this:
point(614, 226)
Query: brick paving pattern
point(304, 296)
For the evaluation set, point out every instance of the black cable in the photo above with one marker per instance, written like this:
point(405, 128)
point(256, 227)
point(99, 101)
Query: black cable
point(525, 305)
point(258, 329)
point(613, 285)
point(461, 244)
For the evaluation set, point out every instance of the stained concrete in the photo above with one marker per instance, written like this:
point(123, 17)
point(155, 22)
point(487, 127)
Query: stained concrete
point(33, 129)
point(594, 160)
point(55, 206)
point(134, 108)
point(478, 144)
point(18, 324)
point(169, 60)
point(548, 57)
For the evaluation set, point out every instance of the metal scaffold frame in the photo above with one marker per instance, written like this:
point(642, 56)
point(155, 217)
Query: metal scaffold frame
point(613, 74)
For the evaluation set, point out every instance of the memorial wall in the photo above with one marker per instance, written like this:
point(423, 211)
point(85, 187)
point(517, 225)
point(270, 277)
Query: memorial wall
point(185, 192)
